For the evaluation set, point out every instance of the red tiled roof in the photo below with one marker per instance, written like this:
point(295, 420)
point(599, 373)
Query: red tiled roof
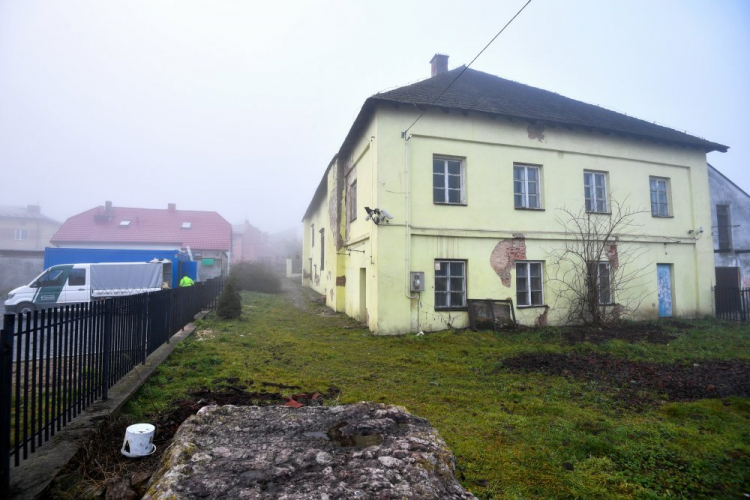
point(208, 230)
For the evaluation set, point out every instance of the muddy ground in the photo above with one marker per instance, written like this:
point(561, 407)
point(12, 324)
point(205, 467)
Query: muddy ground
point(653, 333)
point(638, 382)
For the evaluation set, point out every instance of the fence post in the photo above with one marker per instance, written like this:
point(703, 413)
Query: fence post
point(106, 343)
point(6, 401)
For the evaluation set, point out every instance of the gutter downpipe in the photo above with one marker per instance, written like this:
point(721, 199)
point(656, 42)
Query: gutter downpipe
point(407, 287)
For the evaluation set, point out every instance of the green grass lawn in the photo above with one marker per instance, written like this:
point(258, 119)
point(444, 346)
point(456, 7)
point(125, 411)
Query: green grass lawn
point(514, 435)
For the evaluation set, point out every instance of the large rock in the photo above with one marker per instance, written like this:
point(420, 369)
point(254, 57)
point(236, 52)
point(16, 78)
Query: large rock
point(365, 450)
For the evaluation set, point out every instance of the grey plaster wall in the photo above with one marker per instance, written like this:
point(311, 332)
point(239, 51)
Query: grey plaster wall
point(16, 271)
point(724, 192)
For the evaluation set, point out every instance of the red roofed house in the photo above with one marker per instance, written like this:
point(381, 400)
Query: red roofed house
point(206, 235)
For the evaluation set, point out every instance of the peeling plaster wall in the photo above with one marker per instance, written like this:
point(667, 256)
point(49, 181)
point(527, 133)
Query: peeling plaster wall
point(504, 256)
point(724, 192)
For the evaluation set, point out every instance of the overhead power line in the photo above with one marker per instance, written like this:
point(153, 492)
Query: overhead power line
point(466, 67)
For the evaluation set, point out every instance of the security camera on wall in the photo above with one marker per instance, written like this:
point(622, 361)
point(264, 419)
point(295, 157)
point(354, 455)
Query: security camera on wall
point(377, 215)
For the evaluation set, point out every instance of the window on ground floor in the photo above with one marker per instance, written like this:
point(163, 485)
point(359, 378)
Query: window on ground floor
point(529, 289)
point(450, 284)
point(600, 282)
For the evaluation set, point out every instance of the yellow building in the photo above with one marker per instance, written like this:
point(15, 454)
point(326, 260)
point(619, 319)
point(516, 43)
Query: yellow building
point(471, 181)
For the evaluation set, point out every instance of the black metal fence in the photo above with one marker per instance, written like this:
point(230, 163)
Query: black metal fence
point(732, 304)
point(56, 362)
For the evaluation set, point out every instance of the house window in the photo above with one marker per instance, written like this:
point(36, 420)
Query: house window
point(448, 181)
point(526, 186)
point(322, 250)
point(312, 235)
point(124, 223)
point(595, 190)
point(724, 227)
point(352, 205)
point(659, 196)
point(529, 284)
point(600, 281)
point(450, 284)
point(22, 234)
point(186, 225)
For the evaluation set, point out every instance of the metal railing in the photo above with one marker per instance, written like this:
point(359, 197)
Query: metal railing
point(56, 362)
point(732, 304)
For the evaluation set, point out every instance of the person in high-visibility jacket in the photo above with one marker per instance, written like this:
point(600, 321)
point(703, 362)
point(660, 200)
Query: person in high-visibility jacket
point(186, 281)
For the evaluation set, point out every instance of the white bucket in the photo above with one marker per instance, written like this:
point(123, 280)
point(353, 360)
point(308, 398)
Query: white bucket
point(138, 441)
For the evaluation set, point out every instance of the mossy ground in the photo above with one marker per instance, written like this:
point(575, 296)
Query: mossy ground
point(514, 435)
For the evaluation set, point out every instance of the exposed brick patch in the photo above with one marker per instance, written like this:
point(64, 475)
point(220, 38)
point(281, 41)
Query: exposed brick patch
point(505, 255)
point(611, 253)
point(332, 298)
point(306, 274)
point(340, 280)
point(316, 279)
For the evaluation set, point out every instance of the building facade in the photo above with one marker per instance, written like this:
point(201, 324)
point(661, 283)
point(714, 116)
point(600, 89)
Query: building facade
point(730, 229)
point(24, 233)
point(471, 187)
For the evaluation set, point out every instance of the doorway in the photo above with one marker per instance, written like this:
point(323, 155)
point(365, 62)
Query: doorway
point(664, 289)
point(363, 294)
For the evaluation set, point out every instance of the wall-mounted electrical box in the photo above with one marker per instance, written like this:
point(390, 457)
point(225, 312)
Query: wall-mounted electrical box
point(417, 281)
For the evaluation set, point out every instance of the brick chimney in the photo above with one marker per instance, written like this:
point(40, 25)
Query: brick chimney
point(171, 207)
point(34, 209)
point(439, 63)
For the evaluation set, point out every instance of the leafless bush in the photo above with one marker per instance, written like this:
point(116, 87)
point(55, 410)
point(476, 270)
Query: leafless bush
point(598, 270)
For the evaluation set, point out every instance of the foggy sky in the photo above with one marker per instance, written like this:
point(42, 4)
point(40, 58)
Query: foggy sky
point(238, 107)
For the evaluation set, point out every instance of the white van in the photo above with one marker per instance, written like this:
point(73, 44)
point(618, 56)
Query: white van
point(75, 283)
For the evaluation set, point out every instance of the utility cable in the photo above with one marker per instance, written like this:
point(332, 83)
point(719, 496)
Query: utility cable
point(465, 68)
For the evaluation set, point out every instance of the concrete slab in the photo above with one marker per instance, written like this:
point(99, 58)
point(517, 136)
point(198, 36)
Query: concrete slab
point(30, 479)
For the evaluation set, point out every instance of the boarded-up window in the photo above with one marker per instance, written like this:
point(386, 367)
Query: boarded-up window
point(724, 227)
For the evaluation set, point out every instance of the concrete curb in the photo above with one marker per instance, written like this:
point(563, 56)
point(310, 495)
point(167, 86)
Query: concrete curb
point(32, 477)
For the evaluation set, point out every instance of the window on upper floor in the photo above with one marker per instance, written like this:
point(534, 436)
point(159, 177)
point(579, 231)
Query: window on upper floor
point(724, 227)
point(322, 249)
point(22, 234)
point(599, 281)
point(312, 235)
point(351, 204)
point(450, 284)
point(660, 206)
point(449, 181)
point(529, 290)
point(595, 191)
point(527, 184)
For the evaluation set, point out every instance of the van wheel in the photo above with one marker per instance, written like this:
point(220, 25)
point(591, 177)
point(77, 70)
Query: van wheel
point(26, 307)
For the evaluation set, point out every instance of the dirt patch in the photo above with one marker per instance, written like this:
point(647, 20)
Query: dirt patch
point(640, 382)
point(99, 469)
point(652, 333)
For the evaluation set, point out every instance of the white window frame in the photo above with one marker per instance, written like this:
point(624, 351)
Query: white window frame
point(598, 268)
point(22, 234)
point(525, 186)
point(594, 181)
point(448, 278)
point(527, 265)
point(446, 178)
point(352, 206)
point(322, 249)
point(656, 206)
